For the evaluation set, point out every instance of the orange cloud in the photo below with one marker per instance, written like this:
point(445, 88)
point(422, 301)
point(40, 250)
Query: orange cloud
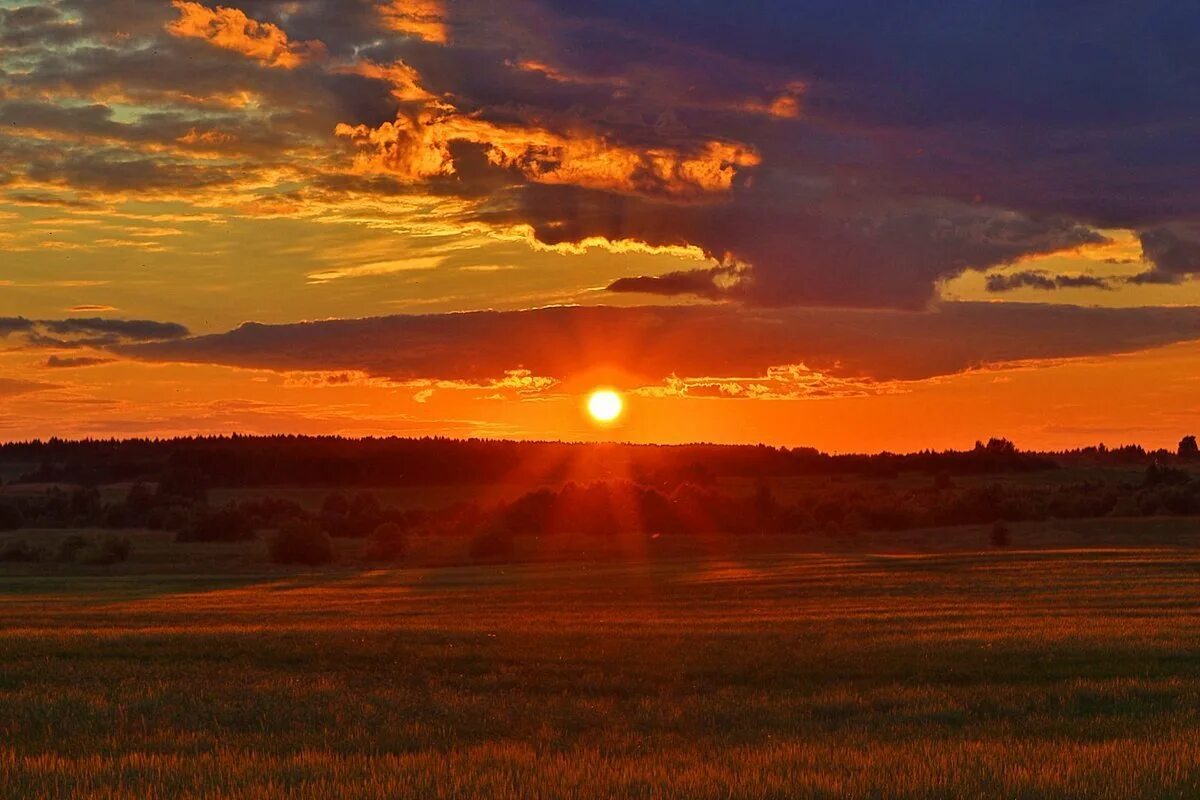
point(557, 75)
point(405, 81)
point(231, 29)
point(419, 147)
point(210, 138)
point(425, 19)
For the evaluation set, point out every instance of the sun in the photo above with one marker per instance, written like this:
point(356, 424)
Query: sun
point(605, 405)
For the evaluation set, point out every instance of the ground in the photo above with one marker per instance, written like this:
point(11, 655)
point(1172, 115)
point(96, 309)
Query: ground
point(916, 665)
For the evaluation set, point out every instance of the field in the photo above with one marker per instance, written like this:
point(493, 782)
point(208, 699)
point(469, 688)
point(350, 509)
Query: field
point(921, 667)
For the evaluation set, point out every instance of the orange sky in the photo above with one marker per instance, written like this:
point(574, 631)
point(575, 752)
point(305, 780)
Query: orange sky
point(728, 238)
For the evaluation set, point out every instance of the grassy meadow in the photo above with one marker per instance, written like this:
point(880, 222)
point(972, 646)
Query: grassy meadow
point(914, 665)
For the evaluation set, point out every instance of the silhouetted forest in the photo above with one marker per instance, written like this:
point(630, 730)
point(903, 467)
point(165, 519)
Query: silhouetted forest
point(589, 490)
point(244, 461)
point(601, 509)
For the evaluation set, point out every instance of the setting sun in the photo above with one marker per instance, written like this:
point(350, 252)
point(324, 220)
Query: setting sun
point(605, 405)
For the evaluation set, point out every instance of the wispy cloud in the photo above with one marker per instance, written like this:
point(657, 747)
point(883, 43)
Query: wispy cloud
point(377, 269)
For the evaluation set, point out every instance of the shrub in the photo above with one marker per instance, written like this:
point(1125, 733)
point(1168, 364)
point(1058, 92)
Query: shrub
point(15, 551)
point(109, 550)
point(364, 504)
point(1158, 474)
point(11, 517)
point(114, 517)
point(942, 481)
point(388, 542)
point(999, 535)
point(301, 542)
point(69, 547)
point(222, 525)
point(336, 504)
point(270, 512)
point(494, 546)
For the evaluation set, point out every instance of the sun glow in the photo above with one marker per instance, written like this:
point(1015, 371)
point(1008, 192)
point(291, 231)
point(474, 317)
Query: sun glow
point(605, 405)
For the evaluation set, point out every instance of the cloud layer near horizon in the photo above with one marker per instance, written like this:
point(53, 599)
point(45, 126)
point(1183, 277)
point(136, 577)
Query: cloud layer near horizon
point(644, 346)
point(823, 153)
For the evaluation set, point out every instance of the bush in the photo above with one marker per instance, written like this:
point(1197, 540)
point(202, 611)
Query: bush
point(388, 542)
point(336, 504)
point(301, 542)
point(1158, 474)
point(114, 517)
point(69, 548)
point(222, 525)
point(495, 546)
point(11, 518)
point(16, 551)
point(999, 535)
point(109, 550)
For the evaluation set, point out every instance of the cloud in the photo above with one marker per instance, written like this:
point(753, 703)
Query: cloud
point(645, 346)
point(427, 144)
point(231, 29)
point(425, 19)
point(13, 387)
point(1045, 281)
point(66, 362)
point(376, 269)
point(860, 253)
point(10, 325)
point(126, 329)
point(836, 152)
point(80, 333)
point(712, 284)
point(1174, 252)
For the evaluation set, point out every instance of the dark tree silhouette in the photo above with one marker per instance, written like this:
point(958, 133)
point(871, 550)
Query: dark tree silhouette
point(301, 542)
point(387, 542)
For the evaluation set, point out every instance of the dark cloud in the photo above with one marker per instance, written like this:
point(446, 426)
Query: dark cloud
point(26, 26)
point(77, 334)
point(1044, 281)
point(67, 362)
point(1174, 250)
point(858, 252)
point(649, 344)
point(713, 284)
point(9, 325)
point(126, 329)
point(836, 152)
point(966, 116)
point(112, 171)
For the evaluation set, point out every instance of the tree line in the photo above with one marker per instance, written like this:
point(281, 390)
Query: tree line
point(245, 461)
point(837, 507)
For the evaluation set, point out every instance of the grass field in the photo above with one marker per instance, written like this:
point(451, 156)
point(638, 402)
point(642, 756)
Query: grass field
point(888, 666)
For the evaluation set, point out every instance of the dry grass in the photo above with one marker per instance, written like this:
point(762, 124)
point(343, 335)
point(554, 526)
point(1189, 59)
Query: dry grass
point(939, 672)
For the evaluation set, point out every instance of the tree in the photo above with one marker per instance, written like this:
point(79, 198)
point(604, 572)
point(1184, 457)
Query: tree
point(69, 548)
point(336, 505)
point(1159, 474)
point(227, 524)
point(107, 551)
point(493, 546)
point(11, 517)
point(301, 542)
point(19, 551)
point(1001, 446)
point(388, 542)
point(1188, 447)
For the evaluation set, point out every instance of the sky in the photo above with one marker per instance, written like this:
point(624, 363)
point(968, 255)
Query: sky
point(844, 224)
